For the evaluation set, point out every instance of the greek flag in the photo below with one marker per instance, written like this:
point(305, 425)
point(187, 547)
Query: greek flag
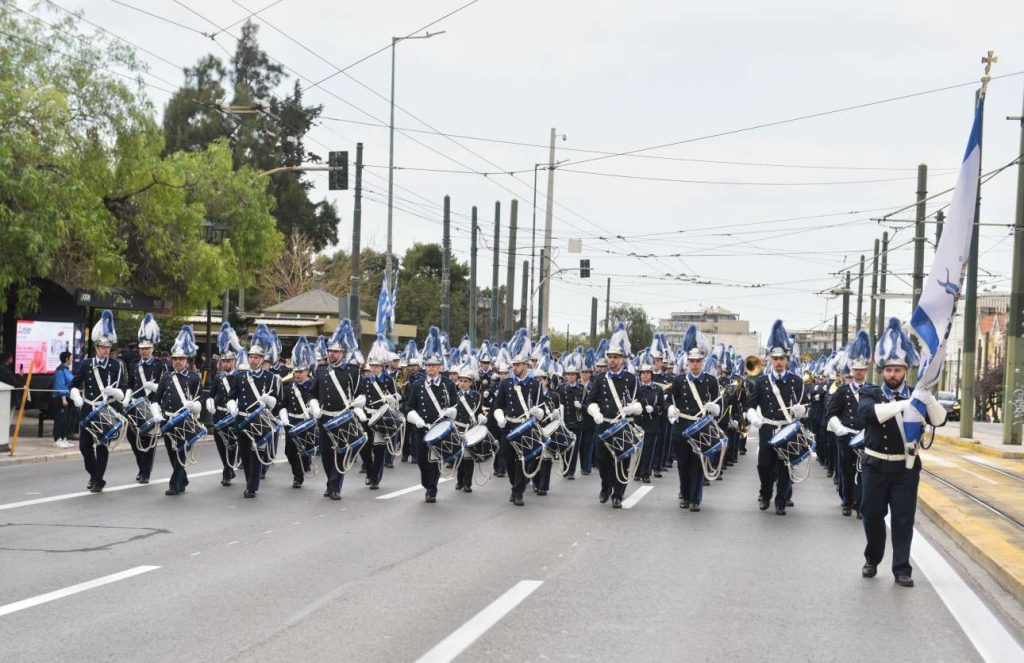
point(936, 308)
point(383, 301)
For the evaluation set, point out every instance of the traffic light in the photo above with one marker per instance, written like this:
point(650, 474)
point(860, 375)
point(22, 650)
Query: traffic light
point(337, 180)
point(584, 269)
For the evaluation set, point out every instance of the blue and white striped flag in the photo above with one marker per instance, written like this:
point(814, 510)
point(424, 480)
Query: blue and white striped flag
point(936, 308)
point(382, 308)
point(393, 302)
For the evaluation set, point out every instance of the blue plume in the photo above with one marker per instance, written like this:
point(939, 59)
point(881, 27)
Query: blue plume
point(690, 338)
point(320, 348)
point(338, 337)
point(410, 351)
point(302, 354)
point(348, 339)
point(186, 341)
point(149, 330)
point(778, 338)
point(861, 346)
point(275, 349)
point(602, 348)
point(227, 339)
point(432, 344)
point(262, 338)
point(104, 330)
point(590, 359)
point(713, 359)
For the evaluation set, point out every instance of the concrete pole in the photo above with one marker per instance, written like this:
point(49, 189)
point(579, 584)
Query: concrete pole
point(971, 309)
point(545, 264)
point(357, 223)
point(446, 256)
point(510, 277)
point(495, 331)
point(593, 322)
point(472, 279)
point(860, 296)
point(1014, 381)
point(522, 293)
point(922, 194)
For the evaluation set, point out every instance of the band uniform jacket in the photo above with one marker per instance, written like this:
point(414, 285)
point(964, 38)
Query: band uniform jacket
point(845, 404)
point(625, 386)
point(570, 395)
point(762, 398)
point(508, 401)
point(650, 395)
point(167, 394)
point(586, 421)
point(445, 392)
point(884, 437)
point(706, 387)
point(220, 392)
point(142, 371)
point(112, 373)
point(326, 393)
point(296, 399)
point(468, 407)
point(248, 386)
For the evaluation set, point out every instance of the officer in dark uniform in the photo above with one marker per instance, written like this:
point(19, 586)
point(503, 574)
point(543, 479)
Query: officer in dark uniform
point(652, 398)
point(612, 399)
point(844, 420)
point(335, 389)
point(774, 400)
point(277, 365)
point(570, 393)
point(891, 469)
point(587, 425)
point(379, 389)
point(468, 414)
point(416, 375)
point(298, 392)
point(430, 400)
point(663, 377)
point(179, 388)
point(143, 380)
point(218, 397)
point(550, 404)
point(249, 390)
point(516, 401)
point(732, 407)
point(100, 379)
point(694, 395)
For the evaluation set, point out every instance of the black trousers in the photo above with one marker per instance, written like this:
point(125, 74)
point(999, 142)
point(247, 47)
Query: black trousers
point(227, 457)
point(585, 443)
point(465, 473)
point(575, 456)
point(732, 454)
point(606, 466)
point(772, 470)
point(542, 479)
point(430, 473)
point(330, 458)
point(94, 455)
point(251, 466)
point(500, 466)
point(298, 461)
point(179, 477)
point(651, 430)
point(691, 474)
point(883, 492)
point(373, 456)
point(143, 459)
point(514, 467)
point(61, 419)
point(849, 489)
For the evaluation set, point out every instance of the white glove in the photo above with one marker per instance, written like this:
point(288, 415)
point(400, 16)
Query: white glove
point(924, 396)
point(499, 418)
point(449, 413)
point(415, 419)
point(194, 407)
point(649, 409)
point(314, 408)
point(886, 411)
point(283, 416)
point(594, 410)
point(76, 397)
point(211, 407)
point(799, 410)
point(232, 407)
point(113, 393)
point(158, 414)
point(268, 400)
point(360, 414)
point(150, 386)
point(481, 418)
point(733, 424)
point(392, 401)
point(127, 400)
point(673, 414)
point(536, 413)
point(754, 418)
point(487, 393)
point(577, 404)
point(633, 409)
point(358, 402)
point(714, 409)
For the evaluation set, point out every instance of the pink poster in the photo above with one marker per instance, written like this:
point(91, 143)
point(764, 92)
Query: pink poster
point(39, 344)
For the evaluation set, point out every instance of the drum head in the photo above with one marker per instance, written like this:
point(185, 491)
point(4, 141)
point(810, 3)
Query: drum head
point(136, 402)
point(224, 422)
point(613, 430)
point(697, 426)
point(785, 434)
point(475, 434)
point(522, 428)
point(303, 426)
point(252, 416)
point(338, 420)
point(377, 415)
point(439, 431)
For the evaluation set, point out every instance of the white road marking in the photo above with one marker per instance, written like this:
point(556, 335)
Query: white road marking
point(231, 543)
point(989, 637)
point(467, 634)
point(34, 493)
point(636, 496)
point(268, 531)
point(73, 589)
point(196, 554)
point(406, 491)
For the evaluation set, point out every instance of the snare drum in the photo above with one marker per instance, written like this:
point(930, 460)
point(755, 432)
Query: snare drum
point(386, 421)
point(560, 439)
point(104, 423)
point(182, 428)
point(794, 445)
point(260, 426)
point(139, 414)
point(624, 442)
point(346, 437)
point(528, 439)
point(444, 441)
point(304, 435)
point(480, 445)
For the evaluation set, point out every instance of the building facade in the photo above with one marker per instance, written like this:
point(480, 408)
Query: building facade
point(718, 324)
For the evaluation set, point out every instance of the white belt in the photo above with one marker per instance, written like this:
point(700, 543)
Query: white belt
point(332, 414)
point(772, 422)
point(518, 420)
point(896, 458)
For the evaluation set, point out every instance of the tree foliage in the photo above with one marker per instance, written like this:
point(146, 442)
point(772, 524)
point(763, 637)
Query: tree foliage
point(638, 326)
point(88, 195)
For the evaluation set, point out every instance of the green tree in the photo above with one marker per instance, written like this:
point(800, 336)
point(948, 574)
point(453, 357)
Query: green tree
point(638, 326)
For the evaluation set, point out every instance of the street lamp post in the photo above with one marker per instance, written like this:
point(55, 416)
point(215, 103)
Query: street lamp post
point(533, 241)
point(388, 267)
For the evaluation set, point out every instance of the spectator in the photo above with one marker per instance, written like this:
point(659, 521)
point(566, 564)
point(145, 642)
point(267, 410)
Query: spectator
point(7, 375)
point(61, 407)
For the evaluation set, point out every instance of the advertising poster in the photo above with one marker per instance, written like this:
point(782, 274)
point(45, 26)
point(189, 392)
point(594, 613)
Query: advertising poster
point(40, 343)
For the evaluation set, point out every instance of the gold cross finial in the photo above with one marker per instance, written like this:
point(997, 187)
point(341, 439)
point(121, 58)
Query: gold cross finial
point(988, 61)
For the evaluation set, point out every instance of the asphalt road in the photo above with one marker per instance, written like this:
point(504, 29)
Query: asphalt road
point(293, 576)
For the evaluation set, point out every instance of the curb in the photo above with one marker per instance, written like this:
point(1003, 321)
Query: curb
point(974, 445)
point(985, 545)
point(6, 460)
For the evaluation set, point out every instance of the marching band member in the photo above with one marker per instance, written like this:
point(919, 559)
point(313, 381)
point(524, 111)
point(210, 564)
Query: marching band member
point(889, 476)
point(179, 388)
point(844, 420)
point(143, 380)
point(220, 394)
point(380, 390)
point(248, 391)
point(663, 362)
point(652, 398)
point(774, 401)
point(694, 395)
point(298, 392)
point(732, 405)
point(551, 406)
point(469, 415)
point(612, 399)
point(430, 400)
point(415, 375)
point(587, 426)
point(277, 365)
point(98, 380)
point(517, 400)
point(570, 392)
point(335, 389)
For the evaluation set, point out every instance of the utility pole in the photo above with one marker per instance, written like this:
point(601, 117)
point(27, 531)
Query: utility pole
point(510, 278)
point(446, 256)
point(540, 302)
point(922, 195)
point(357, 223)
point(607, 306)
point(523, 289)
point(846, 311)
point(860, 296)
point(835, 333)
point(472, 279)
point(545, 263)
point(494, 276)
point(971, 303)
point(872, 322)
point(881, 285)
point(593, 322)
point(1014, 380)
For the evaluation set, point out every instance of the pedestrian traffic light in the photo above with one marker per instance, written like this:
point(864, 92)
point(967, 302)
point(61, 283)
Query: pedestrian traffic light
point(584, 269)
point(337, 178)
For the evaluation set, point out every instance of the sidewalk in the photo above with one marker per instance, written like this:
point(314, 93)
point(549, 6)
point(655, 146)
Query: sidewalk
point(32, 449)
point(988, 439)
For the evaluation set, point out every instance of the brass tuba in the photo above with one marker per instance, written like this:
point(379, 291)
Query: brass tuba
point(754, 366)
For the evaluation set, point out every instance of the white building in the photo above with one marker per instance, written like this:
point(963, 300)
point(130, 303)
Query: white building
point(718, 324)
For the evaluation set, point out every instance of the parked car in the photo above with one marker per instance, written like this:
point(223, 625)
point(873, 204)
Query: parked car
point(952, 404)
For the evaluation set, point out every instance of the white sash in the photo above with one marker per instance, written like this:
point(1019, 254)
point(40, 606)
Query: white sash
point(433, 399)
point(778, 397)
point(337, 385)
point(302, 401)
point(615, 395)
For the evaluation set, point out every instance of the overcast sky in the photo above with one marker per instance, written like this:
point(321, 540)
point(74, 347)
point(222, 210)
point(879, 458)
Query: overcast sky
point(619, 76)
